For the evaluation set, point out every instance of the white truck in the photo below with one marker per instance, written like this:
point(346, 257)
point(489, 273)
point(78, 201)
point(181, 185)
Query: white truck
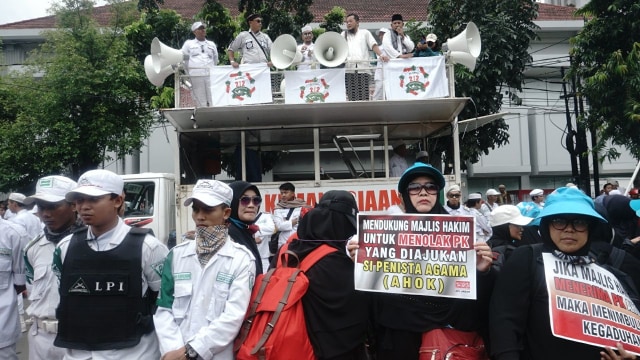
point(358, 132)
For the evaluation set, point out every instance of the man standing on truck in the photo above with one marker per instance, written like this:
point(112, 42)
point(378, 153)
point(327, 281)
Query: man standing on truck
point(254, 45)
point(60, 220)
point(109, 278)
point(203, 55)
point(287, 212)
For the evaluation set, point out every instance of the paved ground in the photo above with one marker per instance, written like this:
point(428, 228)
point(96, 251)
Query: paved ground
point(22, 348)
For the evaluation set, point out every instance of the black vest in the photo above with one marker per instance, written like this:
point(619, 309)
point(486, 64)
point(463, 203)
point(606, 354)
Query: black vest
point(101, 305)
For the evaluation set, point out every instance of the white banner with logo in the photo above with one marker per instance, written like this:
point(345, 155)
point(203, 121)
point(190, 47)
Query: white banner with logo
point(415, 78)
point(314, 86)
point(247, 84)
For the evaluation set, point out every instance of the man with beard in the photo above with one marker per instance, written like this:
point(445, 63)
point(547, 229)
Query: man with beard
point(60, 219)
point(398, 45)
point(287, 212)
point(359, 42)
point(453, 205)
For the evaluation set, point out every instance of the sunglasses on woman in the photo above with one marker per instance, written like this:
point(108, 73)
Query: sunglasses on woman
point(578, 224)
point(246, 200)
point(430, 188)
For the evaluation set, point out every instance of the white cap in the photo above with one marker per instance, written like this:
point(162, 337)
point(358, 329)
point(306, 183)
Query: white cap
point(475, 196)
point(508, 214)
point(615, 192)
point(306, 28)
point(383, 30)
point(432, 37)
point(196, 25)
point(492, 192)
point(17, 197)
point(210, 193)
point(51, 189)
point(422, 154)
point(453, 187)
point(97, 183)
point(536, 192)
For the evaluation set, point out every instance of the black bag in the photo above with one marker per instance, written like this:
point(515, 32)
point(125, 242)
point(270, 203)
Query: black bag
point(273, 243)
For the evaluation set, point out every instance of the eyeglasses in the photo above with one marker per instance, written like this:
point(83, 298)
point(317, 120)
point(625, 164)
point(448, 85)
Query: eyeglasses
point(246, 200)
point(415, 188)
point(578, 224)
point(455, 196)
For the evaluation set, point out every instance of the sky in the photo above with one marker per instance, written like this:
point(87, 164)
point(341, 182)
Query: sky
point(18, 10)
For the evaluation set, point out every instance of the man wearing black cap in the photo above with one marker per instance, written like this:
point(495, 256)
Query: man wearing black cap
point(254, 45)
point(397, 44)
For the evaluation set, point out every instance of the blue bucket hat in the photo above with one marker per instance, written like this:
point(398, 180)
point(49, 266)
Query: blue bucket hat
point(635, 205)
point(568, 200)
point(419, 169)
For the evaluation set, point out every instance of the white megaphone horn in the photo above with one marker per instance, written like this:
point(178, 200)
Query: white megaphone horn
point(163, 55)
point(465, 47)
point(284, 52)
point(331, 49)
point(156, 78)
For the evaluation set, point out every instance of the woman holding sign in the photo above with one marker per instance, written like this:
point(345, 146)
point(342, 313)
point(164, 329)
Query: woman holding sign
point(560, 299)
point(402, 320)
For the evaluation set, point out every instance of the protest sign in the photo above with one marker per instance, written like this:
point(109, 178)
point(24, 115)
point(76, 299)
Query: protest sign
point(416, 254)
point(588, 304)
point(248, 84)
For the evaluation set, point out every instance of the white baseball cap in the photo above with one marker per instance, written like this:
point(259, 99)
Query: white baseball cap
point(475, 196)
point(97, 183)
point(383, 30)
point(196, 25)
point(51, 189)
point(17, 197)
point(453, 187)
point(306, 28)
point(536, 192)
point(508, 214)
point(432, 37)
point(492, 192)
point(211, 193)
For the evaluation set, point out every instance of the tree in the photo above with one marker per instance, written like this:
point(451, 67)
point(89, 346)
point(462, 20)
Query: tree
point(506, 28)
point(279, 17)
point(86, 104)
point(606, 57)
point(334, 19)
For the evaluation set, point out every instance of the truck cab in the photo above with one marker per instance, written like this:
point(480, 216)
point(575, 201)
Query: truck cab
point(150, 203)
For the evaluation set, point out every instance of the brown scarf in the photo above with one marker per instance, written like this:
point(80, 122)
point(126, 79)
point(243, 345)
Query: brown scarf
point(209, 240)
point(295, 203)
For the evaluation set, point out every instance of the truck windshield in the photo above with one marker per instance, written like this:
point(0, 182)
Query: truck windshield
point(138, 198)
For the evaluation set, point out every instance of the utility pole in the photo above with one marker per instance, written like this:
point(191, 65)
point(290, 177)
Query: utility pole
point(581, 141)
point(570, 133)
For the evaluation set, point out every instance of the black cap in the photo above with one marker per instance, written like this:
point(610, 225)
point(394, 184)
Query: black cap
point(340, 201)
point(253, 17)
point(395, 17)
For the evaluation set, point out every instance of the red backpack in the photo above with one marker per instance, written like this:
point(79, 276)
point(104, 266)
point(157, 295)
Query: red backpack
point(274, 327)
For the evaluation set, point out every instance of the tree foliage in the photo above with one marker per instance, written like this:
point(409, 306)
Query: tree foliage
point(334, 19)
point(87, 102)
point(506, 28)
point(607, 60)
point(279, 16)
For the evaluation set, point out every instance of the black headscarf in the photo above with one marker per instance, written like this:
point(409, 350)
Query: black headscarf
point(325, 224)
point(239, 230)
point(621, 217)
